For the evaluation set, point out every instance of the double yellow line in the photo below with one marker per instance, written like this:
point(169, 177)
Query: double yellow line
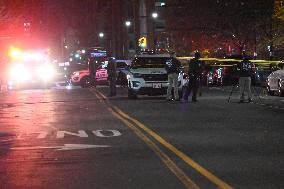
point(137, 127)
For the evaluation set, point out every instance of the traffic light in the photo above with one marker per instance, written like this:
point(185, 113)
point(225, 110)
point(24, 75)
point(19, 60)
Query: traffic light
point(142, 42)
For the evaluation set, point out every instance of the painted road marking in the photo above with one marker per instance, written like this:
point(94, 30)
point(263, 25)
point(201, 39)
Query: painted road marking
point(42, 135)
point(165, 158)
point(107, 133)
point(65, 147)
point(81, 133)
point(100, 133)
point(210, 176)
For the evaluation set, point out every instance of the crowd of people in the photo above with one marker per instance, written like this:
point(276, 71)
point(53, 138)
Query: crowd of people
point(195, 68)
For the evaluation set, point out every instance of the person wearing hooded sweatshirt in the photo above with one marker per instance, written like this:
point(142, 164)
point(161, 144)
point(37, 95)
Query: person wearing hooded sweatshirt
point(195, 67)
point(112, 75)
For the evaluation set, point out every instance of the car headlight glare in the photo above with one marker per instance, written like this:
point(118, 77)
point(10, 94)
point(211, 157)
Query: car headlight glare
point(19, 73)
point(46, 72)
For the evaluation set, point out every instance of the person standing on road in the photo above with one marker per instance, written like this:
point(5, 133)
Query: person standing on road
point(93, 66)
point(172, 67)
point(112, 75)
point(195, 67)
point(245, 72)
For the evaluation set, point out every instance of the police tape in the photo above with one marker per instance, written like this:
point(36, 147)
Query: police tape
point(222, 61)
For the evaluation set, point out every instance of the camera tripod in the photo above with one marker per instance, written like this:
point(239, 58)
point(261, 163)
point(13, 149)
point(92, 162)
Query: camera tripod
point(253, 91)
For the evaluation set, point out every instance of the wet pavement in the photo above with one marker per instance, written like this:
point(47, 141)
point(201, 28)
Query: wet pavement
point(80, 138)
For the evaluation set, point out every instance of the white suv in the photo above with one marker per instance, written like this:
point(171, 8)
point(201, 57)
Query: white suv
point(147, 76)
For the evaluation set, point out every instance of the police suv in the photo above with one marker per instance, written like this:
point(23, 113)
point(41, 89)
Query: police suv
point(147, 76)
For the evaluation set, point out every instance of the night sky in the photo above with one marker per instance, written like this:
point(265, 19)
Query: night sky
point(191, 24)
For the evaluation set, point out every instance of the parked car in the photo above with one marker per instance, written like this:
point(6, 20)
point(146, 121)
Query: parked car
point(82, 77)
point(147, 76)
point(122, 66)
point(275, 83)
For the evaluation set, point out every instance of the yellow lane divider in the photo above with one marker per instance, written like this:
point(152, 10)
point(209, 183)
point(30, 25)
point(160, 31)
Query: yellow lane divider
point(210, 176)
point(166, 159)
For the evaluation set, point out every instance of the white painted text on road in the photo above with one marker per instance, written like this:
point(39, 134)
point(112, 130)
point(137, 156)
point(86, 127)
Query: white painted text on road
point(62, 134)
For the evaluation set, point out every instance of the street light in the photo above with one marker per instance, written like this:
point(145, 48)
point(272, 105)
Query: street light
point(101, 34)
point(127, 23)
point(126, 47)
point(155, 16)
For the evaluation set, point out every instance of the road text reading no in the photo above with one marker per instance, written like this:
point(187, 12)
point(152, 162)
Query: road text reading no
point(80, 133)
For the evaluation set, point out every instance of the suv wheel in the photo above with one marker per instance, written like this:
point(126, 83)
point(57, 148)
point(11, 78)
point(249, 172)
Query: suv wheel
point(131, 94)
point(86, 82)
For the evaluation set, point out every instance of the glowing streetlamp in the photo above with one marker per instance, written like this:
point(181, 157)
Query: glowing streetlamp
point(127, 23)
point(155, 15)
point(126, 45)
point(101, 35)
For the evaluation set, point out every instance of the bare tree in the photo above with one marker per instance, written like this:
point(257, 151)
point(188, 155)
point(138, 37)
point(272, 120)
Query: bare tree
point(227, 25)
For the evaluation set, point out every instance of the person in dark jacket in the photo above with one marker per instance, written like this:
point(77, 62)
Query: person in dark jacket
point(245, 72)
point(93, 66)
point(112, 75)
point(195, 67)
point(172, 67)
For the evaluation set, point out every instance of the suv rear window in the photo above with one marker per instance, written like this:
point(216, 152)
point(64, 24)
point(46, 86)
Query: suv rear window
point(149, 62)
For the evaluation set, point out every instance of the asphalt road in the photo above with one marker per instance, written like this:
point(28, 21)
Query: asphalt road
point(80, 138)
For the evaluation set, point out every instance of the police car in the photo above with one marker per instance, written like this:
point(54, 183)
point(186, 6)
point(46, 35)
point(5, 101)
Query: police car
point(147, 76)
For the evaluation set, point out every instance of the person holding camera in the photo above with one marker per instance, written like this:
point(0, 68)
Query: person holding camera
point(245, 72)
